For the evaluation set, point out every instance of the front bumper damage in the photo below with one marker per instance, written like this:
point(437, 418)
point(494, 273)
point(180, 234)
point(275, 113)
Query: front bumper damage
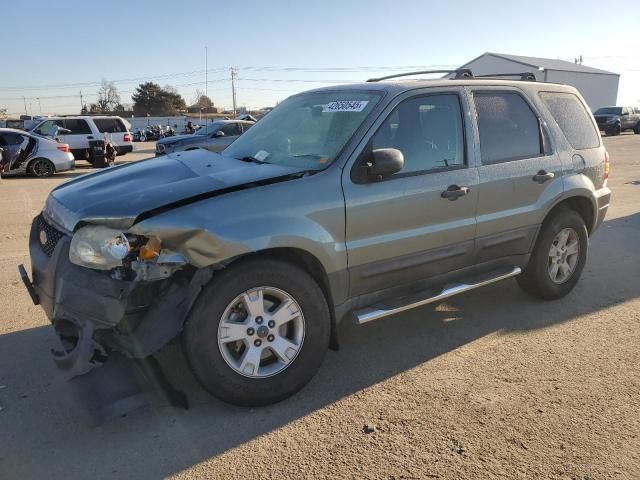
point(108, 328)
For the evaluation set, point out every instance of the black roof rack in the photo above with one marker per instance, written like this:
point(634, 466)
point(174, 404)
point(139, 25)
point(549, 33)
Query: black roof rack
point(460, 73)
point(526, 76)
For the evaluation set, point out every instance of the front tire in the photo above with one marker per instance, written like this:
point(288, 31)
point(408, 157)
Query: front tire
point(258, 332)
point(636, 130)
point(616, 130)
point(558, 258)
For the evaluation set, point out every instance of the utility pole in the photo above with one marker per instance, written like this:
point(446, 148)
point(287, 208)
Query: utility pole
point(233, 90)
point(206, 83)
point(81, 103)
point(40, 105)
point(24, 99)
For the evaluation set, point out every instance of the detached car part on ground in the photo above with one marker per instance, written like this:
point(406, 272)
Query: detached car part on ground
point(25, 153)
point(356, 201)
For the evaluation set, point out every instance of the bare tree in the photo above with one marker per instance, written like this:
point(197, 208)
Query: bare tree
point(108, 97)
point(171, 89)
point(195, 100)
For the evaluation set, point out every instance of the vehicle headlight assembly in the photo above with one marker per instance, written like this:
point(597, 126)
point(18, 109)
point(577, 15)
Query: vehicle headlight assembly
point(99, 247)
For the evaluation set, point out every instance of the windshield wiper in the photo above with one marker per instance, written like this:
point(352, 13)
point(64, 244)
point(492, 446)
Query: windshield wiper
point(250, 159)
point(307, 155)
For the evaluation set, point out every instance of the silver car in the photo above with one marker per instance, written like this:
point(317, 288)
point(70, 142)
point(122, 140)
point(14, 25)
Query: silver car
point(215, 137)
point(27, 153)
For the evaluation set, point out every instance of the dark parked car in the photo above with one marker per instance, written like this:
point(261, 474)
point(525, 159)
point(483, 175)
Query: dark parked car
point(215, 137)
point(358, 201)
point(615, 120)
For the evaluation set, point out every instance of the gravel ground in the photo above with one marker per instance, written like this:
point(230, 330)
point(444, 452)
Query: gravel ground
point(470, 388)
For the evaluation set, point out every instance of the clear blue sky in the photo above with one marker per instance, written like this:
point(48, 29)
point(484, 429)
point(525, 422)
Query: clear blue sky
point(51, 48)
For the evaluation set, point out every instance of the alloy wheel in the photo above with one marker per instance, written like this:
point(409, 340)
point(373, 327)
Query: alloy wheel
point(563, 255)
point(261, 332)
point(42, 168)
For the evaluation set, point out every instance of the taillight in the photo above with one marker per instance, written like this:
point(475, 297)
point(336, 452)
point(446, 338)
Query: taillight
point(63, 148)
point(606, 165)
point(126, 137)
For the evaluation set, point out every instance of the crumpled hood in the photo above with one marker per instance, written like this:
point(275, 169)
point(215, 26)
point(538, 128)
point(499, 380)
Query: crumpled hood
point(117, 196)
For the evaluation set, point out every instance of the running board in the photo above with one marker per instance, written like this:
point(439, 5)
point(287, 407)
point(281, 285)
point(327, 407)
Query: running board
point(407, 303)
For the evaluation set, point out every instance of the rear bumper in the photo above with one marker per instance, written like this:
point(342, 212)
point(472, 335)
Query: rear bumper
point(67, 164)
point(603, 197)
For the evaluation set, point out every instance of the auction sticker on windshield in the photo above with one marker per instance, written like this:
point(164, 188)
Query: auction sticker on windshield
point(345, 106)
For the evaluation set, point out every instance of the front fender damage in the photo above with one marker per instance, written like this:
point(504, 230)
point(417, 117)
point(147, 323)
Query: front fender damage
point(108, 331)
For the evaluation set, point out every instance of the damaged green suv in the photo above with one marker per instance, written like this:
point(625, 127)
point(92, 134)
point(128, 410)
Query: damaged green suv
point(357, 201)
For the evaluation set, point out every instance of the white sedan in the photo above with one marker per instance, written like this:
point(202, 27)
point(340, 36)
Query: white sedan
point(27, 153)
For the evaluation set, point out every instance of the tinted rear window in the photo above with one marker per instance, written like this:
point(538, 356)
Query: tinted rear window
point(77, 126)
point(109, 125)
point(572, 118)
point(509, 130)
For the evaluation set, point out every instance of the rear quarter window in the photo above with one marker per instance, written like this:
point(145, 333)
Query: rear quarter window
point(110, 125)
point(572, 118)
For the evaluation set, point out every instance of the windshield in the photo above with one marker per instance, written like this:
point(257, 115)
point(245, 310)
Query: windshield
point(307, 130)
point(209, 129)
point(609, 111)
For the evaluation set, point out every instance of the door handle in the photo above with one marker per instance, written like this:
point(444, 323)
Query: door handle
point(542, 176)
point(453, 192)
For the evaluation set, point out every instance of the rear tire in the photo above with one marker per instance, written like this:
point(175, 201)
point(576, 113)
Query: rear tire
point(222, 366)
point(543, 276)
point(41, 168)
point(636, 130)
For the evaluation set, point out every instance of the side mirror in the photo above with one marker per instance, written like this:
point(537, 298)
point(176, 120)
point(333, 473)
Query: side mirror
point(219, 133)
point(384, 163)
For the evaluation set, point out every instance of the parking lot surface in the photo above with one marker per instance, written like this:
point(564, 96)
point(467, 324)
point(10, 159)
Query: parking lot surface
point(489, 384)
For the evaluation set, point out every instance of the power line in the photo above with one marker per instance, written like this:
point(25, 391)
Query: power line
point(223, 69)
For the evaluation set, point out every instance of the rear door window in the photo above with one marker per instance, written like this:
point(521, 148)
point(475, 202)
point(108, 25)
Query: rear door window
point(509, 129)
point(110, 125)
point(572, 118)
point(78, 126)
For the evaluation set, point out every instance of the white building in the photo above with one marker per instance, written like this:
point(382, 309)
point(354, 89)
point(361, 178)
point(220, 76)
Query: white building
point(598, 87)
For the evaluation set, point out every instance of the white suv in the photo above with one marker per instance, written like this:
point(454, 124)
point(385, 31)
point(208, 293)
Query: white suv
point(85, 128)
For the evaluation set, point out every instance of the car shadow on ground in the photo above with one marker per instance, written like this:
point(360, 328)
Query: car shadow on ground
point(368, 355)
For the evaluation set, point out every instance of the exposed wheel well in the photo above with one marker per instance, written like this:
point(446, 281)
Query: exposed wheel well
point(582, 205)
point(309, 264)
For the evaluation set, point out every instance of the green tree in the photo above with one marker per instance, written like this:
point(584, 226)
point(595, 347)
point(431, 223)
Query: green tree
point(151, 99)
